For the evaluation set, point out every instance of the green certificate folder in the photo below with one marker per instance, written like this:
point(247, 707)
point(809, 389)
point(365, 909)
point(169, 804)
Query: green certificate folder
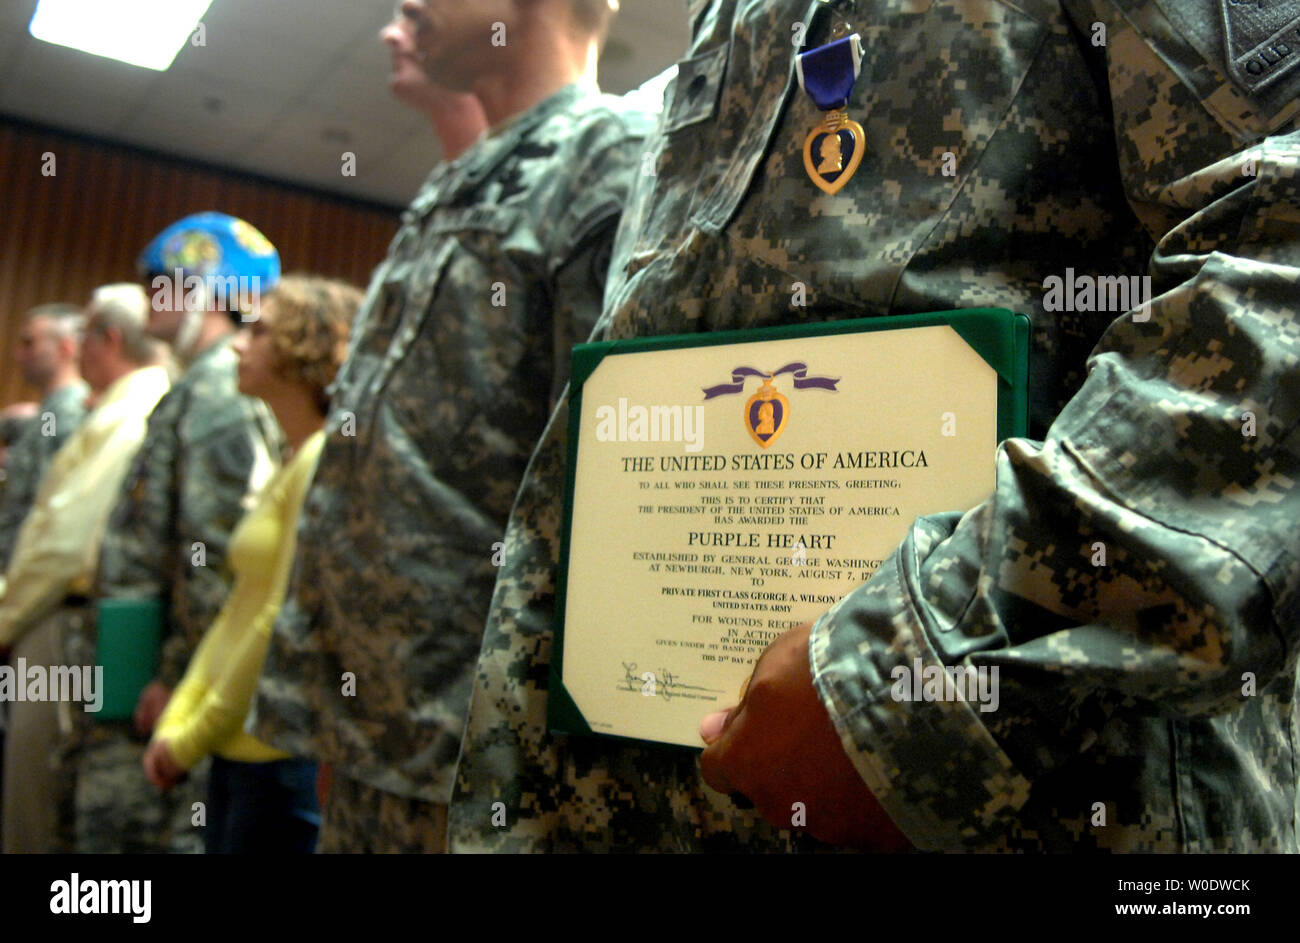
point(128, 638)
point(725, 487)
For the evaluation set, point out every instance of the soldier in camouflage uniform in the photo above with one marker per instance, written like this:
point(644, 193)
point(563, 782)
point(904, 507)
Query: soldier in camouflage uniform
point(1145, 704)
point(208, 449)
point(14, 420)
point(458, 122)
point(47, 356)
point(458, 356)
point(53, 560)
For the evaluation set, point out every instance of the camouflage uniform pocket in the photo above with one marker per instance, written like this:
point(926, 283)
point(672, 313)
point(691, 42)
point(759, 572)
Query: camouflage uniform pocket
point(693, 94)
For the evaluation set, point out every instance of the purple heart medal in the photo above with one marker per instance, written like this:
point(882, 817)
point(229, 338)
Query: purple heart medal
point(827, 74)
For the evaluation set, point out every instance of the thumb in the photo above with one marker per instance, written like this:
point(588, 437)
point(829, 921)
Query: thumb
point(711, 727)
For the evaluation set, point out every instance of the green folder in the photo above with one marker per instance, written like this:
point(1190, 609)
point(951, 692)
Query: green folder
point(128, 639)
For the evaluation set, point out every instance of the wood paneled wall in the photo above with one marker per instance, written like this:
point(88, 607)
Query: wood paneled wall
point(62, 236)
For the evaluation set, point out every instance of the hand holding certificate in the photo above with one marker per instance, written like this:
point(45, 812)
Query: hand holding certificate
point(780, 750)
point(725, 488)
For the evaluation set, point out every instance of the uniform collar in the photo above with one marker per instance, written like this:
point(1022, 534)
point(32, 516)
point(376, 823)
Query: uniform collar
point(441, 179)
point(502, 140)
point(140, 381)
point(209, 355)
point(68, 394)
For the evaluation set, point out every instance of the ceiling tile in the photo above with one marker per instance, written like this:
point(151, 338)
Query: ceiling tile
point(272, 78)
point(209, 117)
point(325, 26)
point(396, 179)
point(306, 145)
point(8, 50)
point(283, 69)
point(16, 15)
point(69, 89)
point(94, 76)
point(357, 93)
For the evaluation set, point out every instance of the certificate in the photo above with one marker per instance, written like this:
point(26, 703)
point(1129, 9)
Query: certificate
point(723, 488)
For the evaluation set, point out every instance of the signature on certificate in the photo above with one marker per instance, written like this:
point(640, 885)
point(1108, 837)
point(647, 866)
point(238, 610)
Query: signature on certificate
point(662, 684)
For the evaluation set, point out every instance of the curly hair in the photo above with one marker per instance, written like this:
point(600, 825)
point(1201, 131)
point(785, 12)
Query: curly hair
point(311, 319)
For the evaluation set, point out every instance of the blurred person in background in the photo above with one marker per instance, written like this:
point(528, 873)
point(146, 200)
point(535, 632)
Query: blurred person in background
point(457, 117)
point(48, 348)
point(461, 347)
point(47, 359)
point(458, 123)
point(260, 800)
point(208, 450)
point(14, 420)
point(55, 555)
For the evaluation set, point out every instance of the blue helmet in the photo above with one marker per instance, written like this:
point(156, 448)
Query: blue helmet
point(212, 245)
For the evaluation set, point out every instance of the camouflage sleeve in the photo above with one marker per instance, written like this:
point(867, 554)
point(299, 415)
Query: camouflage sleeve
point(1140, 559)
point(610, 155)
point(284, 708)
point(61, 414)
point(28, 459)
point(133, 553)
point(22, 479)
point(214, 480)
point(579, 290)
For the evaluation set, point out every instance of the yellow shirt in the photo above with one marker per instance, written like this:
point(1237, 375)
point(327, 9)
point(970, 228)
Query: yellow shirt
point(207, 710)
point(58, 544)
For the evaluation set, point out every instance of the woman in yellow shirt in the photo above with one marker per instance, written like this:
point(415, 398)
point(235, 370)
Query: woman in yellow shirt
point(260, 799)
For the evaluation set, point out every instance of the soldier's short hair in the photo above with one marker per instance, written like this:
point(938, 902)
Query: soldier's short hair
point(66, 321)
point(311, 320)
point(123, 307)
point(595, 16)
